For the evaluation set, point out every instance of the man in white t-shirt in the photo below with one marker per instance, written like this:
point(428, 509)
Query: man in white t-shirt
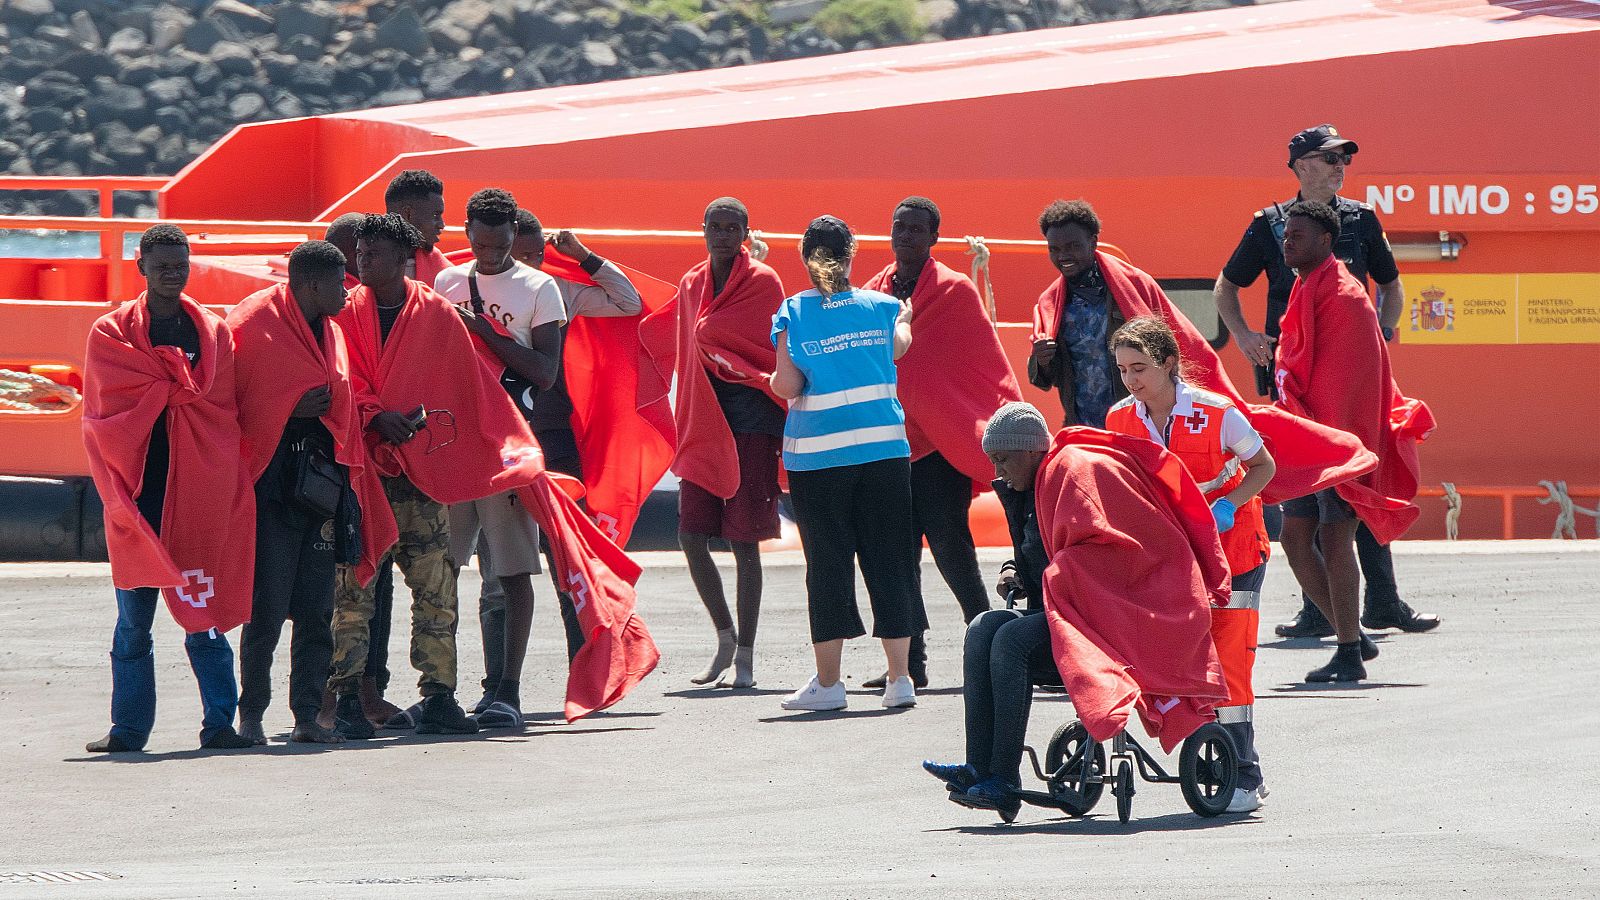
point(526, 303)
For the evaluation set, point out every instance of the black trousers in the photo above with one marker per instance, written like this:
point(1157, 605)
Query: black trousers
point(941, 500)
point(293, 582)
point(1377, 567)
point(1006, 651)
point(860, 512)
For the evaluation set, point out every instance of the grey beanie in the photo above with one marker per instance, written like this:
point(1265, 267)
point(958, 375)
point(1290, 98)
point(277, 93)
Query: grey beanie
point(1016, 426)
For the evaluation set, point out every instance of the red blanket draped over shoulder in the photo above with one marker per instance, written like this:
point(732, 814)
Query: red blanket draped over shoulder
point(476, 444)
point(729, 334)
point(955, 375)
point(203, 560)
point(1333, 366)
point(1134, 568)
point(277, 359)
point(620, 411)
point(1310, 455)
point(621, 416)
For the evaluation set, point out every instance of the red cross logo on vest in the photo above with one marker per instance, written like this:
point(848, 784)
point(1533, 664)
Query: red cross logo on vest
point(198, 587)
point(1197, 422)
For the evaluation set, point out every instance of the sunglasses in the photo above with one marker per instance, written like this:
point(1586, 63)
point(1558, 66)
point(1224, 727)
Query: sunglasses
point(1331, 157)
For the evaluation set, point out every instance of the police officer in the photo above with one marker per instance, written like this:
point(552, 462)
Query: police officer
point(1318, 157)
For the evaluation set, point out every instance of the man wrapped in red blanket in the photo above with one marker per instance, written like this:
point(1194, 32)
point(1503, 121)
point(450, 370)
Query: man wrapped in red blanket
point(1333, 366)
point(948, 397)
point(715, 336)
point(161, 429)
point(441, 430)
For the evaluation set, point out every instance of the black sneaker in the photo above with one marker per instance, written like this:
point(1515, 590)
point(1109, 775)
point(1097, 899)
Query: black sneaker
point(1396, 613)
point(1345, 666)
point(350, 719)
point(1369, 648)
point(1310, 622)
point(441, 714)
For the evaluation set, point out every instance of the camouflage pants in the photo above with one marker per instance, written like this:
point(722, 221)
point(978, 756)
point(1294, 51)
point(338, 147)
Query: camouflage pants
point(423, 555)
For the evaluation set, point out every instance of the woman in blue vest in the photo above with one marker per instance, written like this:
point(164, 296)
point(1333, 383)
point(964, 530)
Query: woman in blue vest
point(844, 445)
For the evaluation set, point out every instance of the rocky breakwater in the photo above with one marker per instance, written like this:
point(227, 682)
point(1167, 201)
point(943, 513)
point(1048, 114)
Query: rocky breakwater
point(100, 87)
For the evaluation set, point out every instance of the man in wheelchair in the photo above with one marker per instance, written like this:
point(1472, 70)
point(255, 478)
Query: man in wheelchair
point(1117, 555)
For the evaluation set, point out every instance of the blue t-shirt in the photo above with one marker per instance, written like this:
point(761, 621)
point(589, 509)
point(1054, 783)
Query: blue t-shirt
point(849, 413)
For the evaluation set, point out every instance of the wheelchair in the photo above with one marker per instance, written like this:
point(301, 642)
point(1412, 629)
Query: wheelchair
point(1077, 769)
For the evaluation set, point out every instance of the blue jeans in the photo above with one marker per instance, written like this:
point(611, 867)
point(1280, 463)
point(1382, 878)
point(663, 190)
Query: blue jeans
point(133, 672)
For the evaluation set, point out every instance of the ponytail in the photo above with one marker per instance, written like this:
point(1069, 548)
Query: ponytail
point(828, 272)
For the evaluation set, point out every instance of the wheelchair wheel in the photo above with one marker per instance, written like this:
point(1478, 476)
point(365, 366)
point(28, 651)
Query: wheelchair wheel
point(1124, 791)
point(1208, 769)
point(1076, 794)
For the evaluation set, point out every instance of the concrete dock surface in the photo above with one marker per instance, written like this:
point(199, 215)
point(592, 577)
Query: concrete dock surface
point(1469, 765)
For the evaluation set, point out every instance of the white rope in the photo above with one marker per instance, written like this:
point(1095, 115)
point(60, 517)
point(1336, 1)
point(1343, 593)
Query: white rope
point(29, 392)
point(979, 251)
point(1566, 519)
point(758, 247)
point(1452, 515)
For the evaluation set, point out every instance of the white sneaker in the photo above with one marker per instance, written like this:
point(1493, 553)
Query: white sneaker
point(1247, 801)
point(899, 693)
point(817, 698)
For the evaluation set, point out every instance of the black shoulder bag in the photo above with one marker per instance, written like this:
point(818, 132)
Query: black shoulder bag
point(522, 390)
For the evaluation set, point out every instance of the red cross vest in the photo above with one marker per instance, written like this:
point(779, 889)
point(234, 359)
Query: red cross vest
point(1197, 440)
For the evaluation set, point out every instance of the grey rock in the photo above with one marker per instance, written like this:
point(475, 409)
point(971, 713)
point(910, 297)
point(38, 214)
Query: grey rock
point(312, 79)
point(127, 42)
point(57, 36)
point(303, 47)
point(110, 101)
point(181, 64)
point(276, 66)
point(87, 64)
point(353, 81)
point(206, 76)
point(738, 56)
point(169, 91)
point(287, 106)
point(246, 18)
point(27, 12)
point(48, 119)
point(206, 33)
point(174, 119)
point(315, 20)
point(83, 26)
point(788, 12)
point(473, 14)
point(141, 70)
point(446, 78)
point(233, 58)
point(54, 89)
point(171, 155)
point(9, 153)
point(247, 107)
point(398, 97)
point(686, 38)
point(168, 24)
point(448, 37)
point(403, 31)
point(599, 54)
point(935, 14)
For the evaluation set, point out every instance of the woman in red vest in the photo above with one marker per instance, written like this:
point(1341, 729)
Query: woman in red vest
point(1231, 463)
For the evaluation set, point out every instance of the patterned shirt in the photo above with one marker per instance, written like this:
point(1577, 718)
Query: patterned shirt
point(1083, 338)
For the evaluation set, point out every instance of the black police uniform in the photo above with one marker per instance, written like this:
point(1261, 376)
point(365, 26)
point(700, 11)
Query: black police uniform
point(1365, 251)
point(1361, 246)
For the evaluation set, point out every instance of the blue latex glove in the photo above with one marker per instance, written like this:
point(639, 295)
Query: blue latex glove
point(1223, 511)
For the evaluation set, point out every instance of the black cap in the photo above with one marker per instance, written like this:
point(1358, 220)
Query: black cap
point(1322, 137)
point(829, 233)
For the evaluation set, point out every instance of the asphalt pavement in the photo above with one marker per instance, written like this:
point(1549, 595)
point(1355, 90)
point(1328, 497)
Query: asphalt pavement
point(1466, 766)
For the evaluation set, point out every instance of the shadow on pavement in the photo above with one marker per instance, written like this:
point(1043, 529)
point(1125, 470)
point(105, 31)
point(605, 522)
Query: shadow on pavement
point(830, 715)
point(1107, 825)
point(707, 692)
point(1335, 687)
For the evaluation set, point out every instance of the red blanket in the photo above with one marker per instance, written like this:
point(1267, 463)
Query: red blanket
point(949, 397)
point(429, 264)
point(277, 359)
point(1310, 456)
point(475, 445)
point(202, 559)
point(1333, 366)
point(1134, 568)
point(621, 415)
point(729, 334)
